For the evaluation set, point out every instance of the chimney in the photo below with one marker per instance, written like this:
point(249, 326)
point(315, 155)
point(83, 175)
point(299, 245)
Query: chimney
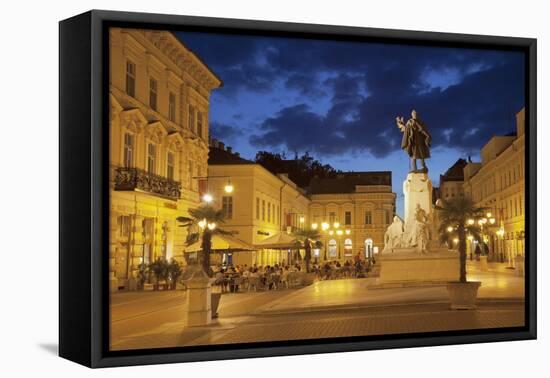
point(221, 145)
point(229, 149)
point(237, 154)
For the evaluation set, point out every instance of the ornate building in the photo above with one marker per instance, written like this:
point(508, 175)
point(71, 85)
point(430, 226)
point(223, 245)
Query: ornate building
point(498, 183)
point(159, 98)
point(362, 204)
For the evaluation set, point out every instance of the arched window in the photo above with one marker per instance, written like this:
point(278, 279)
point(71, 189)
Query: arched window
point(151, 158)
point(348, 247)
point(332, 248)
point(170, 165)
point(368, 248)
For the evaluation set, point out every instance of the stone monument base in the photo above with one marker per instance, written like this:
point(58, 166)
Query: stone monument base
point(406, 266)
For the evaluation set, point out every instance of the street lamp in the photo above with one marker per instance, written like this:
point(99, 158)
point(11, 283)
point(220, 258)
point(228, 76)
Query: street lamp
point(207, 198)
point(202, 223)
point(314, 226)
point(228, 187)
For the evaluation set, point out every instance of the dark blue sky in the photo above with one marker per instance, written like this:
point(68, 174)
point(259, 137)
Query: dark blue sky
point(338, 100)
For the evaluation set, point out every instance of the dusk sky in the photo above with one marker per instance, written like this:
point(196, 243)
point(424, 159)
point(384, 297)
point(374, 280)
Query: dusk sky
point(338, 100)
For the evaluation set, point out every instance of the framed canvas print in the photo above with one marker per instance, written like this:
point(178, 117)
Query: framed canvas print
point(233, 188)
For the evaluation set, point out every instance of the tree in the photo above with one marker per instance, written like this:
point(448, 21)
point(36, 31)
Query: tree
point(308, 238)
point(300, 170)
point(458, 217)
point(203, 221)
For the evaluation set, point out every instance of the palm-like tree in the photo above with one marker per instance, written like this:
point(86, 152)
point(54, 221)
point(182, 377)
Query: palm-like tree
point(203, 221)
point(456, 217)
point(308, 238)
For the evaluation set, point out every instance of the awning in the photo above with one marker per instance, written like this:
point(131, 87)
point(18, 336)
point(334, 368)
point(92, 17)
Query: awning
point(222, 243)
point(282, 240)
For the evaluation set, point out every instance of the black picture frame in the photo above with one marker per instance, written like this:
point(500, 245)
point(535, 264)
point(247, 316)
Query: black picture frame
point(84, 197)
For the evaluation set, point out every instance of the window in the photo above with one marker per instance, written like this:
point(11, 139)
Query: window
point(151, 157)
point(347, 218)
point(128, 150)
point(263, 210)
point(130, 78)
point(153, 87)
point(199, 124)
point(124, 226)
point(191, 118)
point(348, 247)
point(269, 212)
point(332, 248)
point(387, 212)
point(170, 165)
point(332, 217)
point(172, 107)
point(257, 208)
point(368, 217)
point(278, 215)
point(227, 207)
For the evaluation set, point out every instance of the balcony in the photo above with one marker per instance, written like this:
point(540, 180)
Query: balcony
point(129, 179)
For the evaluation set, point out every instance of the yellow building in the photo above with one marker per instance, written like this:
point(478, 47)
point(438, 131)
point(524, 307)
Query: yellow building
point(361, 204)
point(159, 100)
point(260, 206)
point(498, 183)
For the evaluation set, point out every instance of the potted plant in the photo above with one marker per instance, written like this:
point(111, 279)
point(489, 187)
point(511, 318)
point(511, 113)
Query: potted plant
point(458, 219)
point(159, 270)
point(174, 273)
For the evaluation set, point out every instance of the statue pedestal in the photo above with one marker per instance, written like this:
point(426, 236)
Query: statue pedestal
point(405, 266)
point(417, 189)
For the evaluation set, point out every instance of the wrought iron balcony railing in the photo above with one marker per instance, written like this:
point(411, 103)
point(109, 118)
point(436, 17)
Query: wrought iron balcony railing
point(127, 179)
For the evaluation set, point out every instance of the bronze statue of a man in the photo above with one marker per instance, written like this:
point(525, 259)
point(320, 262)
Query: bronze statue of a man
point(416, 140)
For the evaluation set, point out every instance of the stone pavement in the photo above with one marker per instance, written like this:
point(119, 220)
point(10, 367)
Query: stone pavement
point(333, 308)
point(496, 284)
point(327, 324)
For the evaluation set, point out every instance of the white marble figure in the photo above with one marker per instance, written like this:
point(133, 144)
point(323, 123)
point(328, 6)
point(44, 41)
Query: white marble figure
point(419, 233)
point(394, 235)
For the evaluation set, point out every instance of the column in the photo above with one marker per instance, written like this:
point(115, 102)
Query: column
point(136, 251)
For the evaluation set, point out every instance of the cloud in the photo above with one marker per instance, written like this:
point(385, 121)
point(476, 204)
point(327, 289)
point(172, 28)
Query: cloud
point(335, 98)
point(464, 116)
point(225, 132)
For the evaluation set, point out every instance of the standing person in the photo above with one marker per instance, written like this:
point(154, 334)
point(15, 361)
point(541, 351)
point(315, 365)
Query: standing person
point(477, 251)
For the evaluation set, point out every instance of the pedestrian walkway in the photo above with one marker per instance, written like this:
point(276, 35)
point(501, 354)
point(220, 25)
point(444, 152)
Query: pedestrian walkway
point(333, 308)
point(382, 320)
point(356, 293)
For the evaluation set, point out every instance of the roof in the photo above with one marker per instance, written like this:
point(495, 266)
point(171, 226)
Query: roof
point(346, 182)
point(222, 243)
point(219, 156)
point(455, 173)
point(281, 240)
